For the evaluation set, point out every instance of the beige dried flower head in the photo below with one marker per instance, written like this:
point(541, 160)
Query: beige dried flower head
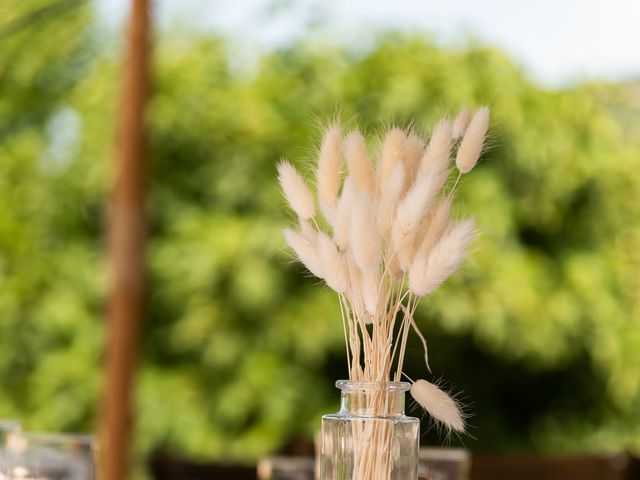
point(436, 159)
point(413, 155)
point(334, 265)
point(440, 406)
point(355, 277)
point(461, 123)
point(473, 141)
point(365, 243)
point(437, 225)
point(412, 210)
point(428, 273)
point(373, 291)
point(359, 164)
point(328, 173)
point(344, 210)
point(431, 227)
point(388, 203)
point(296, 191)
point(308, 231)
point(306, 250)
point(393, 152)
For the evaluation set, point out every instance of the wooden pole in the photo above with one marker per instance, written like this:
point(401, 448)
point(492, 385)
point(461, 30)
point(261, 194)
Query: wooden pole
point(126, 252)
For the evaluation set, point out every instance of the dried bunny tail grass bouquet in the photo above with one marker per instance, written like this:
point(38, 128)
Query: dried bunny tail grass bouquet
point(390, 239)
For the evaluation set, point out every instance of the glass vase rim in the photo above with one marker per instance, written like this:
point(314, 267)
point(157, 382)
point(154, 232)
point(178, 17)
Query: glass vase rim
point(366, 386)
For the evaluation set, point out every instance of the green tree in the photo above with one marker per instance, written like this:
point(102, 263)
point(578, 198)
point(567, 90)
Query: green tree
point(50, 280)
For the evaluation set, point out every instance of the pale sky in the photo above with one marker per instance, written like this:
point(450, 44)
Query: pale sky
point(557, 41)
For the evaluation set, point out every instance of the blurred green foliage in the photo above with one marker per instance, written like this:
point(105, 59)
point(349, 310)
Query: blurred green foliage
point(241, 348)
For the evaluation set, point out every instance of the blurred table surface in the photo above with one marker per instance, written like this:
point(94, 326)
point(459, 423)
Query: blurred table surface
point(483, 467)
point(531, 466)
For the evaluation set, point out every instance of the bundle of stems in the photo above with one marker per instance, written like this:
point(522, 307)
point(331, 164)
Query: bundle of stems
point(385, 238)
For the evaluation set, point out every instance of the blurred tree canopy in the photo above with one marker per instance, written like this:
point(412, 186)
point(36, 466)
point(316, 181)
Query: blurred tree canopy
point(542, 330)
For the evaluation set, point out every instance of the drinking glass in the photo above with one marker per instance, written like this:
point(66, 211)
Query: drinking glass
point(41, 456)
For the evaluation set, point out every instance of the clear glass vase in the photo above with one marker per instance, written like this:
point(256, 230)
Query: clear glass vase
point(370, 438)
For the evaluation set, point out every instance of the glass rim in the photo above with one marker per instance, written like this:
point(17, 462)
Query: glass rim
point(364, 386)
point(10, 426)
point(59, 438)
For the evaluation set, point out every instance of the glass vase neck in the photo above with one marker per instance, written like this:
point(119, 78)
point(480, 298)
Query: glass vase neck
point(372, 399)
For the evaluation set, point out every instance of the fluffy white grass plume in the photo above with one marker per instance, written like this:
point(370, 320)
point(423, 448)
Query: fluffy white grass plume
point(436, 157)
point(412, 209)
point(296, 191)
point(343, 213)
point(355, 277)
point(461, 123)
point(308, 231)
point(405, 255)
point(427, 274)
point(365, 243)
point(388, 203)
point(359, 163)
point(436, 226)
point(431, 228)
point(393, 152)
point(328, 174)
point(306, 251)
point(473, 141)
point(373, 292)
point(413, 154)
point(334, 264)
point(440, 406)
